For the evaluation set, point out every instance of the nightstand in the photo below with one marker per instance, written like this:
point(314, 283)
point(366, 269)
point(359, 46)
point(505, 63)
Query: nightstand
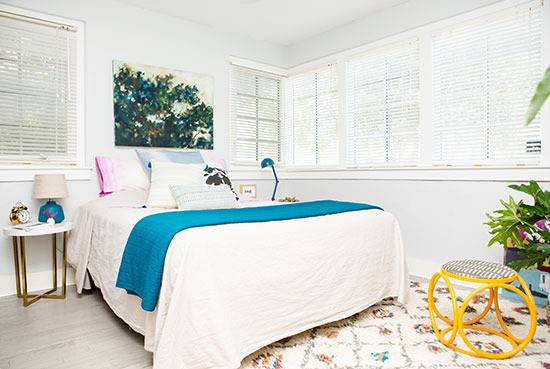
point(19, 257)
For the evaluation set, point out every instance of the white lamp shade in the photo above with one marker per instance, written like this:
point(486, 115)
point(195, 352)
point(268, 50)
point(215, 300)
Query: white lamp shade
point(49, 186)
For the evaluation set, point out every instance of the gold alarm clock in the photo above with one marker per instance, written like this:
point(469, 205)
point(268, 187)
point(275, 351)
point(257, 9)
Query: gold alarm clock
point(19, 214)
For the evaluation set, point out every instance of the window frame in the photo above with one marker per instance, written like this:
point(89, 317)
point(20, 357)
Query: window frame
point(236, 62)
point(289, 99)
point(489, 123)
point(350, 60)
point(79, 171)
point(425, 167)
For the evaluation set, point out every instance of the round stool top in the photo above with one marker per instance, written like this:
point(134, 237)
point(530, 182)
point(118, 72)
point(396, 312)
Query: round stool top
point(478, 269)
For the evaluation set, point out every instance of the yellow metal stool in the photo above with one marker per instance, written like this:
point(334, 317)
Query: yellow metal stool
point(491, 276)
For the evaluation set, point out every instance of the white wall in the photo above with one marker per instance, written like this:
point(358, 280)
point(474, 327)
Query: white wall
point(117, 31)
point(384, 23)
point(441, 218)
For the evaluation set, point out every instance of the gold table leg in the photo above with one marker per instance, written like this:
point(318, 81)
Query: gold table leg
point(21, 275)
point(64, 281)
point(54, 260)
point(16, 262)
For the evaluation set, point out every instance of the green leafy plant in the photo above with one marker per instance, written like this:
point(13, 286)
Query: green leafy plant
point(289, 199)
point(524, 226)
point(541, 94)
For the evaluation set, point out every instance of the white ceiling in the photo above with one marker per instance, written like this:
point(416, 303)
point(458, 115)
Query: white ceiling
point(282, 22)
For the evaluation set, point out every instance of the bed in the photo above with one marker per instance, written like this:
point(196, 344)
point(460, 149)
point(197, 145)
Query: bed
point(228, 290)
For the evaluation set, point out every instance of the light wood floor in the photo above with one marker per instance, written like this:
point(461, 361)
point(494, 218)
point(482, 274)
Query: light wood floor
point(78, 332)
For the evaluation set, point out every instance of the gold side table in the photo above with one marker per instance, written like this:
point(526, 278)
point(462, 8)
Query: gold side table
point(19, 257)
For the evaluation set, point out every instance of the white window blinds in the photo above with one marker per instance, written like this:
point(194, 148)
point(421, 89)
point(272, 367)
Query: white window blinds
point(382, 106)
point(484, 73)
point(256, 115)
point(38, 97)
point(313, 118)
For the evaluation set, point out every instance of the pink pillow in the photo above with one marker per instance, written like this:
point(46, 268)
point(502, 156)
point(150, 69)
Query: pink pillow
point(120, 174)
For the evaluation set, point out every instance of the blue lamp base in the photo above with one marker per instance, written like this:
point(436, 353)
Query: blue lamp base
point(51, 209)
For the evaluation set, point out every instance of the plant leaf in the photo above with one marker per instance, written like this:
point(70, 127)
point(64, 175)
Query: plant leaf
point(542, 198)
point(530, 260)
point(532, 188)
point(541, 94)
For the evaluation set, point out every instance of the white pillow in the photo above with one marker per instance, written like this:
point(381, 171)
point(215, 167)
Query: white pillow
point(203, 197)
point(165, 174)
point(131, 175)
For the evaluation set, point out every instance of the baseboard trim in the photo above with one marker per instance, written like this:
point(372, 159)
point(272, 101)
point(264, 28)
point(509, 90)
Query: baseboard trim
point(426, 268)
point(36, 281)
point(42, 280)
point(422, 268)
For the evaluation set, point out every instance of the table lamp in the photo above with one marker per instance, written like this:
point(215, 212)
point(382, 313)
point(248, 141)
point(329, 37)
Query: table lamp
point(50, 186)
point(268, 162)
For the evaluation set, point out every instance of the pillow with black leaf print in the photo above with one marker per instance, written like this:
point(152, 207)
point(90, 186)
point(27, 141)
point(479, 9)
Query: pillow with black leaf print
point(218, 177)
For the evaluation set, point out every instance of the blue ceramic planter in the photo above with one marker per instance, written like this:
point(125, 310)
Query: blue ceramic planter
point(533, 277)
point(51, 209)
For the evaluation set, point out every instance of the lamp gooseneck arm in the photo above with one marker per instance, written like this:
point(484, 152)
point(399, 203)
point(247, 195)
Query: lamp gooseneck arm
point(276, 183)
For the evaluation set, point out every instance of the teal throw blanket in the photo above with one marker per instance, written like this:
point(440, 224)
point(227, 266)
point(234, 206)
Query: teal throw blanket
point(142, 263)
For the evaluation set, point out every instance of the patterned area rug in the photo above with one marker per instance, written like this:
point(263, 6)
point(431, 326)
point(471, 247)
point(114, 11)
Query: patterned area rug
point(391, 335)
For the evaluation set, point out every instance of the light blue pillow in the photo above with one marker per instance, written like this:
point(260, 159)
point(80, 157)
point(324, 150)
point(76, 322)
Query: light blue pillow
point(182, 157)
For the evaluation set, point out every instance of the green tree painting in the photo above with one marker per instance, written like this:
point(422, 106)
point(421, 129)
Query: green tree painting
point(155, 107)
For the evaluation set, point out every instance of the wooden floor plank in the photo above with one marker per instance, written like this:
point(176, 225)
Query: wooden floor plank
point(78, 332)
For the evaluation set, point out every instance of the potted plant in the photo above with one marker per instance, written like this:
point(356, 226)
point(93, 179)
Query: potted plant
point(524, 229)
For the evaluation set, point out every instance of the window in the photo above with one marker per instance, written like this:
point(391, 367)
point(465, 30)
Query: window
point(256, 115)
point(382, 106)
point(484, 73)
point(38, 91)
point(450, 93)
point(313, 118)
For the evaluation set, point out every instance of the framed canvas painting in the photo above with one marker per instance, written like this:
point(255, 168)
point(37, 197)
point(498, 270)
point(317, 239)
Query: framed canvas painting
point(159, 107)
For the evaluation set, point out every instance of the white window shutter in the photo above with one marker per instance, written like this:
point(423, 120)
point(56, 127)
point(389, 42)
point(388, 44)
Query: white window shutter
point(484, 74)
point(312, 111)
point(38, 92)
point(256, 115)
point(382, 106)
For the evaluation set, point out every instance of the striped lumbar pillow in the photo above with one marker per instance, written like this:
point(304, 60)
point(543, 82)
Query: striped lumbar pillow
point(203, 197)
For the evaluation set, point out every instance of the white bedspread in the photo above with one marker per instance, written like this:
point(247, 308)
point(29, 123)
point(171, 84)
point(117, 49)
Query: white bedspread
point(229, 290)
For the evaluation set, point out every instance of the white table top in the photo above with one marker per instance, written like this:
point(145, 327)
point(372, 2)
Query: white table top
point(42, 230)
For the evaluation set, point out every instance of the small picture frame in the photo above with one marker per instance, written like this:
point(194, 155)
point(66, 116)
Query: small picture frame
point(248, 192)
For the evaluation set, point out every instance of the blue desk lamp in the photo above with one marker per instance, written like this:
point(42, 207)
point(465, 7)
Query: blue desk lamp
point(268, 162)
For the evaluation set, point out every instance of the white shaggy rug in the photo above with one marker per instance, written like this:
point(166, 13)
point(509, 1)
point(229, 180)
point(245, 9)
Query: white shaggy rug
point(390, 335)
